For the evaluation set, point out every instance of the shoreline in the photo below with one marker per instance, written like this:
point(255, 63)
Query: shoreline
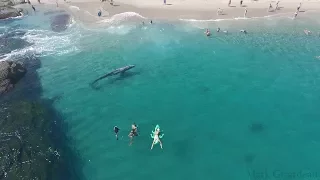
point(86, 11)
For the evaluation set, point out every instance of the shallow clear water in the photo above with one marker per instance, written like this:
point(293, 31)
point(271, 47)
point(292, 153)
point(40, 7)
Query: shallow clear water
point(231, 106)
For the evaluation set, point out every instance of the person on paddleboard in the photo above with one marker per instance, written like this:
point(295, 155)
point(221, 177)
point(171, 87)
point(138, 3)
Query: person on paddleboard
point(156, 138)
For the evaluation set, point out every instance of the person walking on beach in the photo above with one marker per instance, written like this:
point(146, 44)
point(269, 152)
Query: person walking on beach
point(245, 12)
point(133, 133)
point(116, 131)
point(298, 8)
point(34, 9)
point(164, 2)
point(99, 13)
point(29, 2)
point(270, 7)
point(241, 1)
point(39, 2)
point(277, 5)
point(229, 4)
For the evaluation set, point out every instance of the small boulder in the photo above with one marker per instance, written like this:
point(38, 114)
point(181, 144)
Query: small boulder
point(8, 12)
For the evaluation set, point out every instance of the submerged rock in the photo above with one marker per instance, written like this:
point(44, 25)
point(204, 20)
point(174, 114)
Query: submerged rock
point(10, 73)
point(60, 22)
point(8, 12)
point(26, 150)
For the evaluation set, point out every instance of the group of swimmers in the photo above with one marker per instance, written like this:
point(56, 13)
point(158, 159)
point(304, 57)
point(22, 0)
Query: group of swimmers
point(134, 132)
point(208, 33)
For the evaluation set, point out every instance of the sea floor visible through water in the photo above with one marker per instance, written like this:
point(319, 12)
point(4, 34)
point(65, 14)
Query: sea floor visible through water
point(231, 106)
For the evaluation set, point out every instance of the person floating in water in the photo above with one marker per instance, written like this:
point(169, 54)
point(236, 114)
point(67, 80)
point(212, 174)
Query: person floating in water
point(156, 138)
point(243, 31)
point(207, 32)
point(307, 32)
point(116, 131)
point(133, 132)
point(99, 13)
point(296, 14)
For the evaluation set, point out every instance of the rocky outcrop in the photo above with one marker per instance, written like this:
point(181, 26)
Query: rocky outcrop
point(6, 11)
point(10, 73)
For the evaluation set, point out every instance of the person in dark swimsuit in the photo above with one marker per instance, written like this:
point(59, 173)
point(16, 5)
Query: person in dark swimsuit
point(133, 132)
point(116, 131)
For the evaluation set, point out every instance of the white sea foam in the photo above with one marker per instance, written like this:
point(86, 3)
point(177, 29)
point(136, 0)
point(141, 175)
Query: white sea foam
point(46, 42)
point(74, 7)
point(122, 17)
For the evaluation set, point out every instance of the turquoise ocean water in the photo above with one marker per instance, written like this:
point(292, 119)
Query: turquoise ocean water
point(235, 106)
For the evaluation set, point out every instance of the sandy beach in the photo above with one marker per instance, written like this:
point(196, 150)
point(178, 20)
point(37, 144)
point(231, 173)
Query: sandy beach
point(86, 10)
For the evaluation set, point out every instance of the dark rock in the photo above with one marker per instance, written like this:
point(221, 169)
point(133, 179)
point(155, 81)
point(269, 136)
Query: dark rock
point(60, 22)
point(256, 127)
point(6, 3)
point(26, 150)
point(10, 73)
point(249, 158)
point(8, 12)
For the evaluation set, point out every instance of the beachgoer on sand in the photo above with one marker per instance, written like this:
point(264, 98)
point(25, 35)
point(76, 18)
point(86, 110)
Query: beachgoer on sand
point(99, 13)
point(34, 9)
point(245, 12)
point(241, 1)
point(229, 4)
point(270, 7)
point(277, 5)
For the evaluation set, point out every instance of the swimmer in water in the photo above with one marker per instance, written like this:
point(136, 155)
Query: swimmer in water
point(295, 14)
point(133, 132)
point(116, 131)
point(34, 9)
point(156, 138)
point(307, 32)
point(151, 22)
point(243, 31)
point(207, 32)
point(218, 29)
